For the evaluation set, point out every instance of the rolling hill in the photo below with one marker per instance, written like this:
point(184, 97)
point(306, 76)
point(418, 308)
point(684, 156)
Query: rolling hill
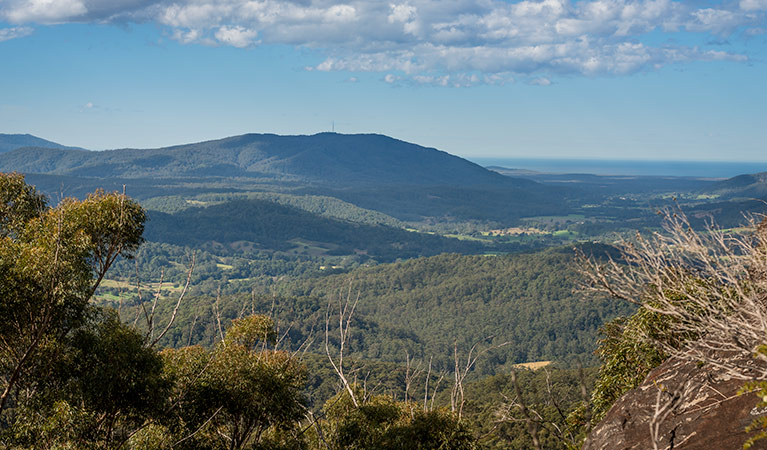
point(9, 142)
point(264, 225)
point(742, 186)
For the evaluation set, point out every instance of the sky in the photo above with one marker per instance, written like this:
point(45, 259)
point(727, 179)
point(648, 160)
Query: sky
point(610, 79)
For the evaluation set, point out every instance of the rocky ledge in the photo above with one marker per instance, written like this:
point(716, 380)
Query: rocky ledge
point(680, 405)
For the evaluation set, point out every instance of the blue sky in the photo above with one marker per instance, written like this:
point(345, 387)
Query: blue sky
point(644, 79)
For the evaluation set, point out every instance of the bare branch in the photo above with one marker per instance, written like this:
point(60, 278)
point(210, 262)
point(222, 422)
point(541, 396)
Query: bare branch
point(218, 315)
point(457, 400)
point(178, 302)
point(712, 285)
point(666, 403)
point(345, 312)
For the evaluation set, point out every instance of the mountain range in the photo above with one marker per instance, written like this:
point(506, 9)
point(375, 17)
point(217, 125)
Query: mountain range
point(405, 181)
point(328, 158)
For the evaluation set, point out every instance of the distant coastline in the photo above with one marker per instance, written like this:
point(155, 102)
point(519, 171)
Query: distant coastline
point(706, 169)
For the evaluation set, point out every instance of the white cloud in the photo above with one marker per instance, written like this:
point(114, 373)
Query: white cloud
point(753, 5)
point(236, 36)
point(440, 42)
point(402, 13)
point(718, 21)
point(44, 11)
point(89, 106)
point(341, 13)
point(187, 36)
point(540, 82)
point(6, 34)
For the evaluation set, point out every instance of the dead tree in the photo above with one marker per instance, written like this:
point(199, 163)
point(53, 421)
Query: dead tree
point(346, 309)
point(149, 315)
point(457, 400)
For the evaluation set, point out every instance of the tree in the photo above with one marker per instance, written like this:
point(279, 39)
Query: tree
point(240, 392)
point(19, 203)
point(381, 423)
point(51, 262)
point(105, 384)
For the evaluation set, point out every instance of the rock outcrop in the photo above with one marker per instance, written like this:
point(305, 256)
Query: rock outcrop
point(681, 405)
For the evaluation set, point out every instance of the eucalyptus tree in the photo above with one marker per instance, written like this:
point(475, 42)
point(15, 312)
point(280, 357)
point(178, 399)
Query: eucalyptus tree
point(52, 259)
point(240, 394)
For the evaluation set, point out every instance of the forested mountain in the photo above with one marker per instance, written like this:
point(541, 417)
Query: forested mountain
point(10, 142)
point(402, 180)
point(322, 158)
point(742, 186)
point(424, 306)
point(261, 224)
point(500, 203)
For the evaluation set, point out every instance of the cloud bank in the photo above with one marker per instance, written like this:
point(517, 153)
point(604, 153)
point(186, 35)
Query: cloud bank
point(441, 42)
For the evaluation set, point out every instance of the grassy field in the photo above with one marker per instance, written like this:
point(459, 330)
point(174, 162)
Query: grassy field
point(535, 365)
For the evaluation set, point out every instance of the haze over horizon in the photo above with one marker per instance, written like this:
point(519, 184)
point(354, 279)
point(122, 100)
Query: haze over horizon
point(618, 79)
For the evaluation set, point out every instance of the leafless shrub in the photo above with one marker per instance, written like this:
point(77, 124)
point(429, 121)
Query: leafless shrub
point(711, 284)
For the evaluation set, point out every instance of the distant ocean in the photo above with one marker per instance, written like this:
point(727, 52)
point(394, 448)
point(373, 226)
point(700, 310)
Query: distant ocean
point(707, 169)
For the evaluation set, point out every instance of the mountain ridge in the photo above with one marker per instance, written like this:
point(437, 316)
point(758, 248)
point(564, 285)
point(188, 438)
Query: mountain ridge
point(10, 142)
point(320, 158)
point(752, 185)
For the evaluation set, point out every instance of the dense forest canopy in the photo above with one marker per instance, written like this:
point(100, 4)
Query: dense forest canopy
point(73, 374)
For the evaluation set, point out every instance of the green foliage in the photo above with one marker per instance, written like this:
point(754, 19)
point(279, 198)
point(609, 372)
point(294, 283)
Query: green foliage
point(65, 365)
point(381, 423)
point(421, 307)
point(551, 394)
point(152, 437)
point(759, 424)
point(248, 331)
point(631, 347)
point(267, 225)
point(431, 430)
point(230, 270)
point(113, 223)
point(627, 357)
point(362, 427)
point(238, 393)
point(19, 203)
point(324, 206)
point(48, 258)
point(115, 373)
point(104, 385)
